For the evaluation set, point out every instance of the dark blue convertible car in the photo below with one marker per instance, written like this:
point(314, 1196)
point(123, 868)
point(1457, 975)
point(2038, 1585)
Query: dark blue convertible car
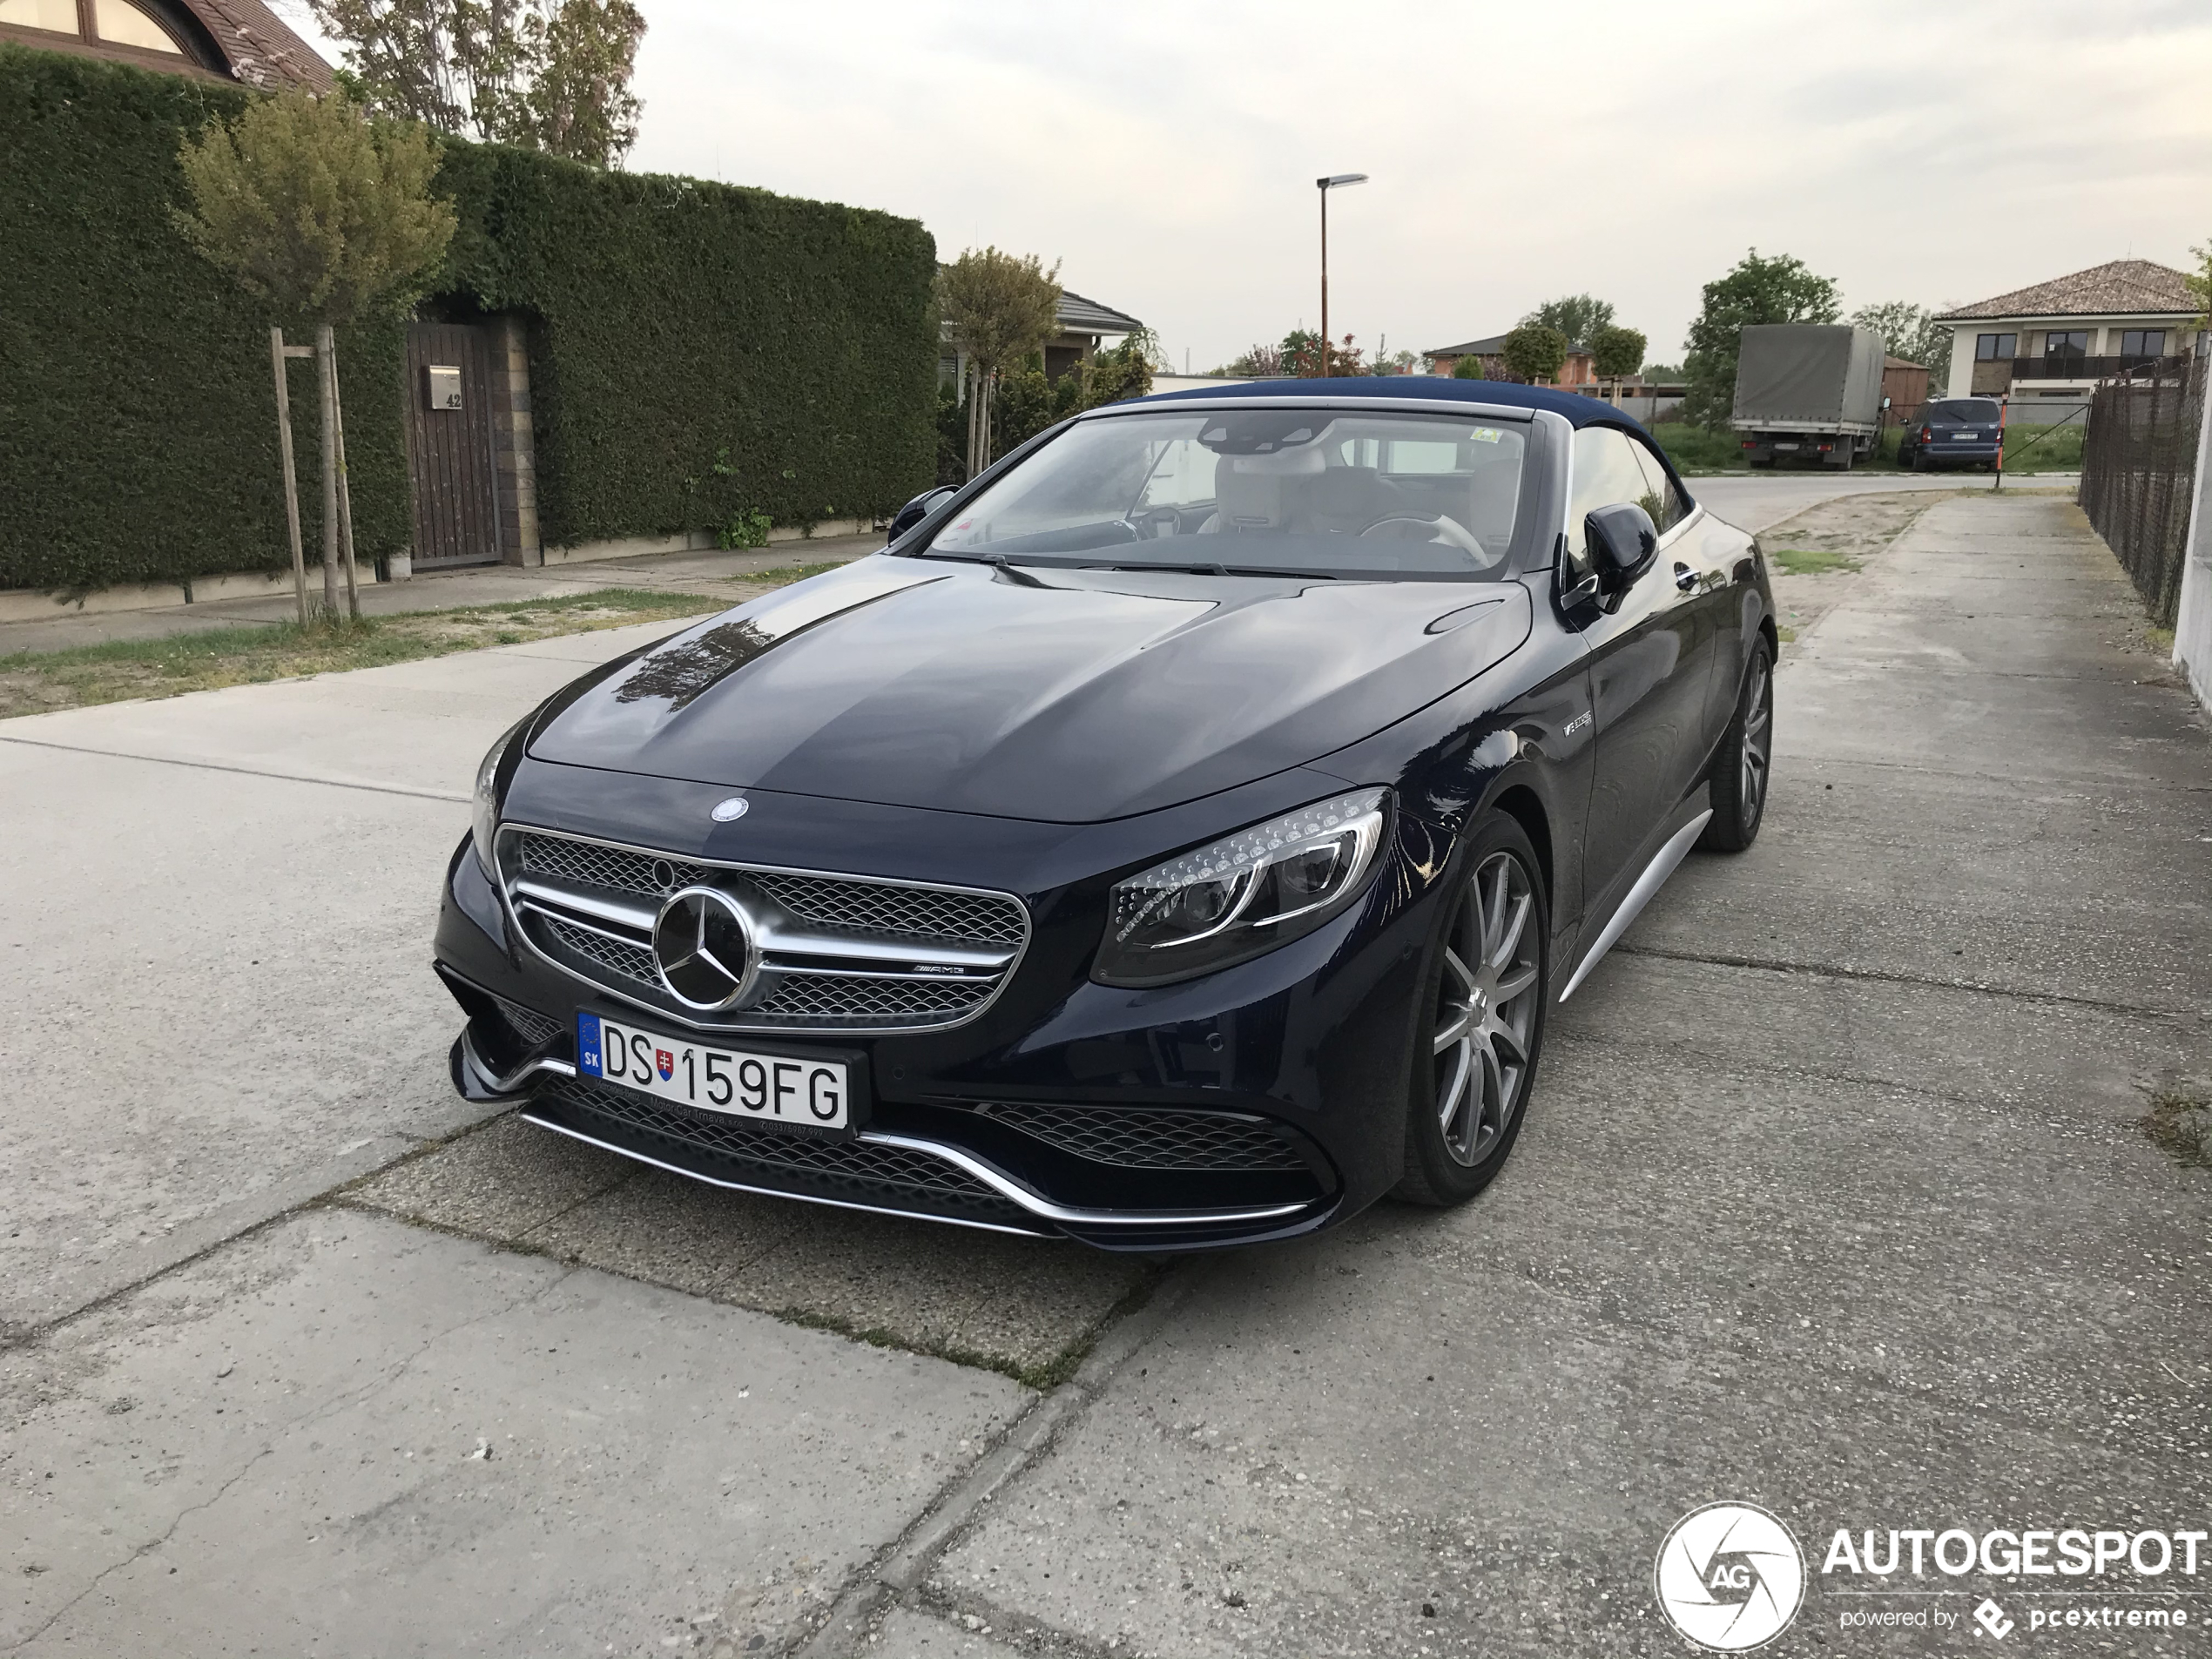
point(1178, 835)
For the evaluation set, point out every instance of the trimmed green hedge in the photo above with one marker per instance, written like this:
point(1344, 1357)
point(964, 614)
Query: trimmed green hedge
point(697, 349)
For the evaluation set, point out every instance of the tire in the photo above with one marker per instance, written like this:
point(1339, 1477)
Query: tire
point(1744, 760)
point(1921, 461)
point(1480, 1031)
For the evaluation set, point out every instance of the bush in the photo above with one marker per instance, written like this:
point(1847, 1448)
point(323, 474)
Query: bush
point(1693, 447)
point(668, 320)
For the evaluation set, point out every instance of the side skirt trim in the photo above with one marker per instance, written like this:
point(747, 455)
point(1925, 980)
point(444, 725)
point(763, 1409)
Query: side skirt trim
point(1654, 878)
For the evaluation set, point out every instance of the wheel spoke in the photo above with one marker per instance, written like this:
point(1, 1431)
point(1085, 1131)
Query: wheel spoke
point(1493, 903)
point(1453, 1095)
point(1460, 971)
point(1513, 982)
point(1492, 1111)
point(1515, 925)
point(1504, 1037)
point(1461, 1022)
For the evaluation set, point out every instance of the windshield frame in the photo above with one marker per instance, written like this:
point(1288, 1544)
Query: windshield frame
point(1544, 432)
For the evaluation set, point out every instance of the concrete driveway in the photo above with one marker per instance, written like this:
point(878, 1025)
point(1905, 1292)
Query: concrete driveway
point(1834, 1199)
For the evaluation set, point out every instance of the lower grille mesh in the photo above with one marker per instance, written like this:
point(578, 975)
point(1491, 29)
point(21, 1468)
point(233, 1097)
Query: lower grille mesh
point(632, 962)
point(860, 1172)
point(843, 1000)
point(1152, 1140)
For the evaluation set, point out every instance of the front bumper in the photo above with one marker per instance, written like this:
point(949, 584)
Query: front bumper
point(1259, 1103)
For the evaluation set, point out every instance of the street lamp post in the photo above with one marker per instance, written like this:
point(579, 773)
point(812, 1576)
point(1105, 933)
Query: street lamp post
point(1335, 180)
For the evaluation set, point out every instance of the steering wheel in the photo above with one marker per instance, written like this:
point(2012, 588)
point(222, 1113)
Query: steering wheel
point(1438, 530)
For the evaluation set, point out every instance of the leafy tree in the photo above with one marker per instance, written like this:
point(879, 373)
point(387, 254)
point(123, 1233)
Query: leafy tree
point(1468, 368)
point(551, 74)
point(1616, 352)
point(999, 309)
point(1302, 356)
point(1399, 362)
point(1259, 363)
point(579, 104)
point(1578, 316)
point(1535, 351)
point(1113, 376)
point(1912, 331)
point(1781, 289)
point(321, 213)
point(2200, 284)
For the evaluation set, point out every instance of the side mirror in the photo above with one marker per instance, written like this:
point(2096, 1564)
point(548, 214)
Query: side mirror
point(917, 510)
point(1885, 403)
point(1623, 542)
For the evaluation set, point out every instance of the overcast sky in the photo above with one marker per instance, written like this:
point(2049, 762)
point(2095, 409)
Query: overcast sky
point(1165, 154)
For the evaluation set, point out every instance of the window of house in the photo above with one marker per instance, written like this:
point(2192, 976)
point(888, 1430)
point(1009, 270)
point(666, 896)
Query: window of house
point(60, 15)
point(2070, 344)
point(2142, 342)
point(1989, 347)
point(121, 23)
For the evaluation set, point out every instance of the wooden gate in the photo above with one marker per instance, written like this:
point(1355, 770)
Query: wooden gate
point(449, 445)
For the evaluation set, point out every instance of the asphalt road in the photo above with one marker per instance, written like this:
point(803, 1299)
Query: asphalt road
point(1834, 1199)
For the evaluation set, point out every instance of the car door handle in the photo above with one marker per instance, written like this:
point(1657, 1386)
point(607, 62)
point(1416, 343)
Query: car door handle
point(1685, 578)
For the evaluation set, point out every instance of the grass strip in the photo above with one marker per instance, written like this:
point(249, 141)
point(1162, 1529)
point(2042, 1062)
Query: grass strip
point(1803, 561)
point(33, 682)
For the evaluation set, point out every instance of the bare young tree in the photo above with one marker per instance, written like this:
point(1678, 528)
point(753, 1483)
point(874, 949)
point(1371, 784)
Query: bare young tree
point(319, 212)
point(999, 307)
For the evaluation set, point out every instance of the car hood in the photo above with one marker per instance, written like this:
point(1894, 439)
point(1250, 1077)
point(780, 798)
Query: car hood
point(1068, 696)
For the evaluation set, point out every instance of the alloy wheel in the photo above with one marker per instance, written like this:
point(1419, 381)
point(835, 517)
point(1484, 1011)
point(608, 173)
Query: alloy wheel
point(1486, 1008)
point(1758, 736)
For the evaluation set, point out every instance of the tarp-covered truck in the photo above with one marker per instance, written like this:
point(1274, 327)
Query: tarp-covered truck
point(1807, 391)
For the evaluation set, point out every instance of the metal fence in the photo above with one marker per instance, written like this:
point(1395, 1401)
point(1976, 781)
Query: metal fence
point(2138, 473)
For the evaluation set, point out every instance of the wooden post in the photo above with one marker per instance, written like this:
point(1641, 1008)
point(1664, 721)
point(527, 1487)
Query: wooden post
point(345, 493)
point(291, 482)
point(325, 363)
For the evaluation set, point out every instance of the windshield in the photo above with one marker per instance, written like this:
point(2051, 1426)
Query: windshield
point(1318, 492)
point(1976, 411)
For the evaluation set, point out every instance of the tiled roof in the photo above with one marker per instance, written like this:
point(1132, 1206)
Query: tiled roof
point(2124, 287)
point(1082, 316)
point(1491, 347)
point(261, 50)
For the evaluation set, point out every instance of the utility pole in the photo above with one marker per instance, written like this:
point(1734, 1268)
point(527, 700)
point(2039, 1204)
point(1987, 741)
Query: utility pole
point(1334, 181)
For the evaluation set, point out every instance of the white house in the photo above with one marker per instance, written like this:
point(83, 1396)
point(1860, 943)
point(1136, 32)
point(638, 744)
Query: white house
point(2054, 341)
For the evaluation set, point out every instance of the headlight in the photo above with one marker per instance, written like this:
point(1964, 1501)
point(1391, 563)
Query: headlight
point(483, 812)
point(1243, 895)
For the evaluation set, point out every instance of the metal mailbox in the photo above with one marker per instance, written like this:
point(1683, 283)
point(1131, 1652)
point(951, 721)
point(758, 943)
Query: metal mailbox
point(442, 385)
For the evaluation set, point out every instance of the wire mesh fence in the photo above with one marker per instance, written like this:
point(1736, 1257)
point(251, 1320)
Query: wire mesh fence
point(2139, 470)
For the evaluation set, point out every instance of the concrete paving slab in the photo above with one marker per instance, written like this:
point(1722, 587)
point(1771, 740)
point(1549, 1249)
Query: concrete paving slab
point(1692, 1284)
point(1961, 881)
point(216, 957)
point(349, 1436)
point(420, 726)
point(906, 1634)
point(1024, 1306)
point(220, 984)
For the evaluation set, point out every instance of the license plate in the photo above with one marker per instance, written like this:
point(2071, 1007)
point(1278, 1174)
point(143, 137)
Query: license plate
point(1966, 438)
point(1785, 445)
point(734, 1083)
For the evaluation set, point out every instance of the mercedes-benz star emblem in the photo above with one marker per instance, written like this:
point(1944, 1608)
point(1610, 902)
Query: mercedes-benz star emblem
point(730, 811)
point(703, 948)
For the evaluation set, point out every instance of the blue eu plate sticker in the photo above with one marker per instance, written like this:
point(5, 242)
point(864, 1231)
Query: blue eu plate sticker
point(587, 1045)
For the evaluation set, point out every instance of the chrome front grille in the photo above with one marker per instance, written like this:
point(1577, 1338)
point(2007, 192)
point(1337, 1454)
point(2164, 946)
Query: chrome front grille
point(837, 952)
point(1137, 1139)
